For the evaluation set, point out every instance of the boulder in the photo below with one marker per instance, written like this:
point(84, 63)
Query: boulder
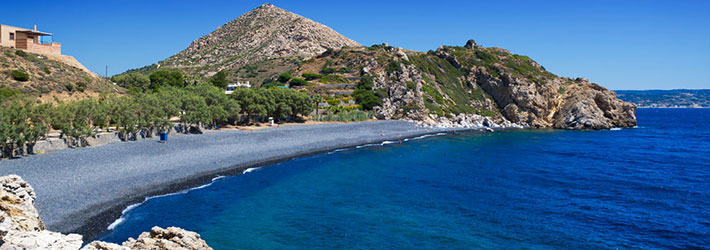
point(100, 245)
point(40, 240)
point(172, 238)
point(21, 227)
point(17, 211)
point(20, 224)
point(169, 238)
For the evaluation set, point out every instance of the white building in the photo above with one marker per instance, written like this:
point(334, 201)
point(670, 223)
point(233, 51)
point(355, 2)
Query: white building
point(232, 87)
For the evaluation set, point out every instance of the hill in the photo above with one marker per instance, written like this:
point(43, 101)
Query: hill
point(49, 79)
point(460, 85)
point(453, 86)
point(677, 98)
point(257, 45)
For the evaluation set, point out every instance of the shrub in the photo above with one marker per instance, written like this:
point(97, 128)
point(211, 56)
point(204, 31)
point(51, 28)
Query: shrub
point(20, 75)
point(81, 86)
point(6, 93)
point(285, 77)
point(328, 71)
point(411, 85)
point(367, 99)
point(561, 90)
point(487, 57)
point(366, 83)
point(46, 70)
point(69, 86)
point(133, 81)
point(164, 77)
point(334, 79)
point(393, 66)
point(312, 76)
point(298, 82)
point(21, 53)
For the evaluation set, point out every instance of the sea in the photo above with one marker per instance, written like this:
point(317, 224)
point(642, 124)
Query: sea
point(646, 187)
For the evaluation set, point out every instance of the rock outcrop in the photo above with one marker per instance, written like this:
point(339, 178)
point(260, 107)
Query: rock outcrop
point(591, 106)
point(158, 238)
point(474, 86)
point(22, 228)
point(20, 224)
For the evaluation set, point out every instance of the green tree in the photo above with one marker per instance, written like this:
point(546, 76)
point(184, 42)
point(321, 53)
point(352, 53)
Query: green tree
point(221, 108)
point(366, 83)
point(364, 94)
point(133, 81)
point(219, 80)
point(166, 78)
point(194, 110)
point(285, 77)
point(367, 99)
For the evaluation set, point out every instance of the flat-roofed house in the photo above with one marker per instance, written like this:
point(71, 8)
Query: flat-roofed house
point(28, 40)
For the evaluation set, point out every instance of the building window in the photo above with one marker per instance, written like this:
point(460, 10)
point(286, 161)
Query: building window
point(12, 36)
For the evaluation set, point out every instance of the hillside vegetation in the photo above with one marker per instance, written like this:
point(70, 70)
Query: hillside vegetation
point(50, 80)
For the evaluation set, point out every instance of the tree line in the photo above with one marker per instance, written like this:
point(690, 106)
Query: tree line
point(23, 121)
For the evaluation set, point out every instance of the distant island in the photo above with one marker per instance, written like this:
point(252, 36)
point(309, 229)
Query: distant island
point(676, 98)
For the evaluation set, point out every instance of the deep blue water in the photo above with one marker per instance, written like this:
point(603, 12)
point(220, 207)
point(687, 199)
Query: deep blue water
point(646, 187)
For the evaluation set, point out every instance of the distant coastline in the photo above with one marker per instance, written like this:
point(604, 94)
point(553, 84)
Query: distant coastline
point(675, 98)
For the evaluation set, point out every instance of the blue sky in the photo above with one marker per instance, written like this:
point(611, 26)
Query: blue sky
point(618, 44)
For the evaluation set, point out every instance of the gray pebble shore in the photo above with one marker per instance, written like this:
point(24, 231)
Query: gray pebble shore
point(84, 190)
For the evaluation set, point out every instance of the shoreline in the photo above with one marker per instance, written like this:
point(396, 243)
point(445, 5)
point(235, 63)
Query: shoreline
point(192, 185)
point(110, 216)
point(75, 197)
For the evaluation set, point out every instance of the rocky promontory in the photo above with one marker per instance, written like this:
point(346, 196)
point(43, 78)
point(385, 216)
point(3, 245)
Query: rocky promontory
point(469, 86)
point(22, 228)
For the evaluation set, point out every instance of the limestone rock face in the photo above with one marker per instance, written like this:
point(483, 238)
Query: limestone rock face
point(594, 107)
point(17, 206)
point(20, 224)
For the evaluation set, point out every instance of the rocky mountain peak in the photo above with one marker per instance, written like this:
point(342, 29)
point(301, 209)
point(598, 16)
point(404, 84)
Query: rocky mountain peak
point(263, 33)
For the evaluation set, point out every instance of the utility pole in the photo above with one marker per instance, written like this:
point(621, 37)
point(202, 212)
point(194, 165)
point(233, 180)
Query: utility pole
point(106, 74)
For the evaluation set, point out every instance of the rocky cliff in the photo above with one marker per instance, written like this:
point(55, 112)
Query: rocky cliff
point(470, 86)
point(22, 228)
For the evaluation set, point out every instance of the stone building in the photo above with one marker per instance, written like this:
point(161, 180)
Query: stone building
point(28, 40)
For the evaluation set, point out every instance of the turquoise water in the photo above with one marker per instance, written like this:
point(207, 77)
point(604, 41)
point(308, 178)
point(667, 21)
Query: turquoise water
point(646, 187)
